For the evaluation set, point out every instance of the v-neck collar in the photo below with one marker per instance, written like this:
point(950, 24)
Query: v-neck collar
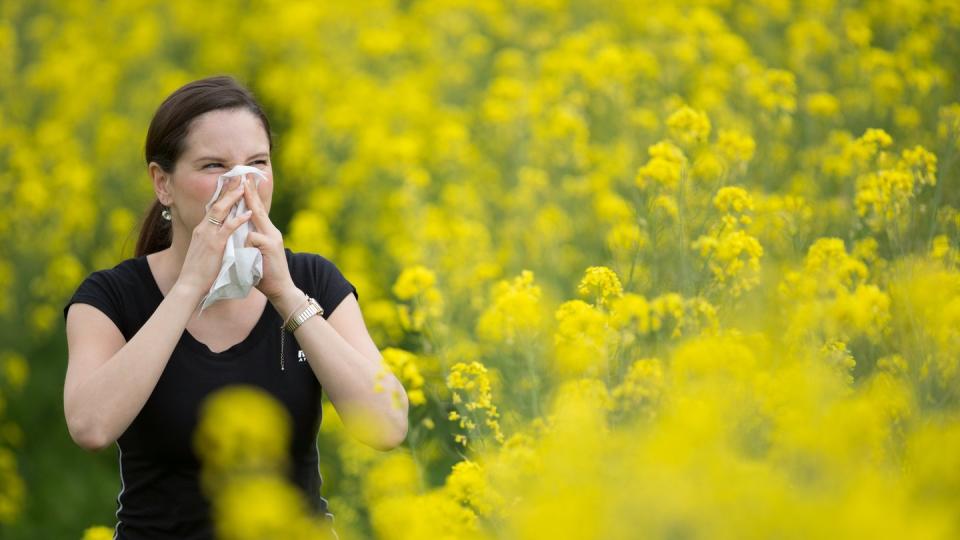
point(236, 349)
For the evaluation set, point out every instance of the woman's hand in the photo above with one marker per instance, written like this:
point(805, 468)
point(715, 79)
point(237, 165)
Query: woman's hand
point(201, 265)
point(276, 280)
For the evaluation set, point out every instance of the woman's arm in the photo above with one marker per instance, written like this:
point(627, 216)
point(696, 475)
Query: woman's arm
point(108, 381)
point(349, 367)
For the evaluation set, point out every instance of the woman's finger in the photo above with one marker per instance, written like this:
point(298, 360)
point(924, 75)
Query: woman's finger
point(228, 185)
point(255, 239)
point(221, 208)
point(225, 191)
point(231, 224)
point(255, 203)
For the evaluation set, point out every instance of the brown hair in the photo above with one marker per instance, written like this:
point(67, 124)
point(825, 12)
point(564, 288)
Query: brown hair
point(168, 132)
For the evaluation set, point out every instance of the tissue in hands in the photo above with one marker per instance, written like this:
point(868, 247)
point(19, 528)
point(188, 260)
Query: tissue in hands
point(242, 267)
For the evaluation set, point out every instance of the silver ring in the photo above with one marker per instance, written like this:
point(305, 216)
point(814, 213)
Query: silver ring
point(214, 220)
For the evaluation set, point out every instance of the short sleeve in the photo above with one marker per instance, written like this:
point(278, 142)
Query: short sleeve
point(333, 286)
point(101, 292)
point(320, 278)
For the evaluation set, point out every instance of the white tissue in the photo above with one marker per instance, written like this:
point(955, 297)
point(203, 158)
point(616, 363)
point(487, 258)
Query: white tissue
point(242, 267)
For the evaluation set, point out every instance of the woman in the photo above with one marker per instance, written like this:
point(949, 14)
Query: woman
point(142, 359)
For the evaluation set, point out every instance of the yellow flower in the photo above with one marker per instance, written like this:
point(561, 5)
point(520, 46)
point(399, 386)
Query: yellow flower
point(822, 104)
point(828, 263)
point(514, 311)
point(630, 312)
point(733, 258)
point(15, 369)
point(241, 428)
point(735, 146)
point(601, 283)
point(667, 204)
point(857, 28)
point(414, 281)
point(708, 166)
point(922, 163)
point(309, 232)
point(883, 197)
point(624, 239)
point(733, 200)
point(473, 380)
point(259, 506)
point(97, 532)
point(403, 365)
point(641, 386)
point(665, 166)
point(689, 126)
point(581, 340)
point(14, 488)
point(416, 286)
point(875, 140)
point(948, 125)
point(940, 247)
point(396, 474)
point(467, 484)
point(583, 392)
point(866, 311)
point(774, 90)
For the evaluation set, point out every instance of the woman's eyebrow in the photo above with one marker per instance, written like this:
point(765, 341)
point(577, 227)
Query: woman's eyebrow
point(214, 158)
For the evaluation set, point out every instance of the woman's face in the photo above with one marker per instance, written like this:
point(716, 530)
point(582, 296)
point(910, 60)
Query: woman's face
point(217, 141)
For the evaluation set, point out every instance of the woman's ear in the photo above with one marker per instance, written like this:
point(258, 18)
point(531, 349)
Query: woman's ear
point(161, 183)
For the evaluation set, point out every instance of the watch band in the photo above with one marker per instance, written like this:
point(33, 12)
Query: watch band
point(313, 308)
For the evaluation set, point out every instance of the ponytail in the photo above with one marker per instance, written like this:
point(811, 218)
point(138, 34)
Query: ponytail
point(154, 231)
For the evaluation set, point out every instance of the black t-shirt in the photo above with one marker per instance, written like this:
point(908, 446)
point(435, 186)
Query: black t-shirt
point(160, 494)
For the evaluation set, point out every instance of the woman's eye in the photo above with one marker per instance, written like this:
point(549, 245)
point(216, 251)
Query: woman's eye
point(263, 161)
point(209, 164)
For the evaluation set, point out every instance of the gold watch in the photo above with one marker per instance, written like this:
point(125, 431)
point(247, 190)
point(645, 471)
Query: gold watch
point(313, 308)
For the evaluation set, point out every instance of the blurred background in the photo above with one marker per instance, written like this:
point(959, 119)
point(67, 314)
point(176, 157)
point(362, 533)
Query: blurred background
point(683, 268)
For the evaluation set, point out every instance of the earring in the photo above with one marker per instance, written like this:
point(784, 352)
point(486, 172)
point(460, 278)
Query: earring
point(166, 214)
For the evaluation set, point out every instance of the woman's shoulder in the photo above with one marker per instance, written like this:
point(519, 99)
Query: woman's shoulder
point(305, 260)
point(319, 277)
point(126, 273)
point(125, 278)
point(110, 289)
point(305, 267)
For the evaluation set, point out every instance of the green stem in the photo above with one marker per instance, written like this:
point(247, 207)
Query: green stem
point(534, 381)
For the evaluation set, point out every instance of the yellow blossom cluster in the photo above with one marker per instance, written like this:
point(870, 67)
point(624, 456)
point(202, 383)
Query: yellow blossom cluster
point(14, 373)
point(601, 283)
point(97, 532)
point(581, 341)
point(735, 146)
point(242, 429)
point(731, 253)
point(831, 301)
point(884, 195)
point(423, 301)
point(641, 387)
point(471, 395)
point(403, 365)
point(689, 126)
point(243, 442)
point(514, 312)
point(665, 166)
